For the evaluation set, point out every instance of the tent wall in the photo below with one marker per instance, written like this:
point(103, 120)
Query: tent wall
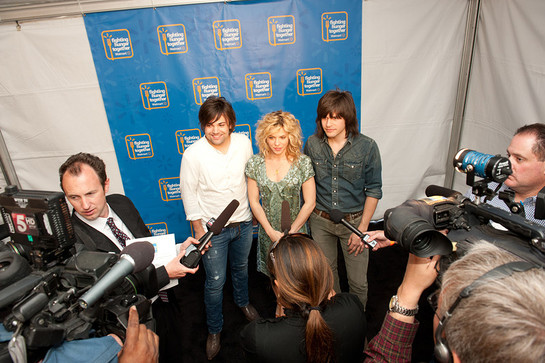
point(51, 107)
point(50, 101)
point(508, 77)
point(411, 62)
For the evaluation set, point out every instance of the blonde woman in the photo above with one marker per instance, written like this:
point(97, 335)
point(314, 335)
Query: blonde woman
point(279, 172)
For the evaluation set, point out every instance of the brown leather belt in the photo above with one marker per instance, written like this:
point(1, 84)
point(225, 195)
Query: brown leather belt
point(233, 225)
point(348, 216)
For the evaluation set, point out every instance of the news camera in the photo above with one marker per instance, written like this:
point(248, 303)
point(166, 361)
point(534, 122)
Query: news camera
point(415, 224)
point(48, 292)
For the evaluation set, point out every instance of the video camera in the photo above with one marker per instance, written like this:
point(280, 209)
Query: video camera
point(415, 223)
point(43, 279)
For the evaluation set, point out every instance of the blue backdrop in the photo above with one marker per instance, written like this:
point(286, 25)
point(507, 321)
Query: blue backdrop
point(156, 67)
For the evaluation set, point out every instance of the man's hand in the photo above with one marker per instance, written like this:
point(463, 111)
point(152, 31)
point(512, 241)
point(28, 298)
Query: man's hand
point(355, 244)
point(141, 344)
point(174, 268)
point(419, 275)
point(190, 240)
point(380, 238)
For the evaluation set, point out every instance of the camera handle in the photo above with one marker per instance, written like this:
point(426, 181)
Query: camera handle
point(508, 196)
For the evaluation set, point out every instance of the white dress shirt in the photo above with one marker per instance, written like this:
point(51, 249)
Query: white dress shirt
point(210, 179)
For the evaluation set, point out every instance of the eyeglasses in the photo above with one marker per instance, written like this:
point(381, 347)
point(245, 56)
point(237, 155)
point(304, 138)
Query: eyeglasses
point(433, 300)
point(283, 238)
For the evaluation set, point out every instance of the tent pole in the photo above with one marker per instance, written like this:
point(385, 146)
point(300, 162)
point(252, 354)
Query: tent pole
point(474, 9)
point(7, 166)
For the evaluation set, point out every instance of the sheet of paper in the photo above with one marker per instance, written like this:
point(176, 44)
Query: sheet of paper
point(165, 251)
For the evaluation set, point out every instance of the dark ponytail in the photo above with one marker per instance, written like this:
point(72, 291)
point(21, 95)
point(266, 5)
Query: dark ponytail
point(304, 283)
point(319, 339)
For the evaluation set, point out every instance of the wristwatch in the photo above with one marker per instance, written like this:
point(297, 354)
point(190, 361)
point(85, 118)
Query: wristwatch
point(396, 308)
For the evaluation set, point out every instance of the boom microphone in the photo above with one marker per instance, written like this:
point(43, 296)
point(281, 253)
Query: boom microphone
point(338, 217)
point(134, 258)
point(192, 257)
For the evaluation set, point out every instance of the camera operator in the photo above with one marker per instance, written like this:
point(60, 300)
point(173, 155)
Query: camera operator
point(526, 153)
point(104, 223)
point(141, 346)
point(501, 318)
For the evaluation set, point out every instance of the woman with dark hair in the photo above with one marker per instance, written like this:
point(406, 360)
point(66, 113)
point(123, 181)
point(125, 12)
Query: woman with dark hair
point(318, 326)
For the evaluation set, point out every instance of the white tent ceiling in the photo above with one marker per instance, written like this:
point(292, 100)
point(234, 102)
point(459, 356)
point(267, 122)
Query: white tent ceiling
point(21, 10)
point(51, 107)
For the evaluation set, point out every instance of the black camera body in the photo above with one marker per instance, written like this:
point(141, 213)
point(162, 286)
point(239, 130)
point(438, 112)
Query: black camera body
point(42, 277)
point(48, 308)
point(415, 223)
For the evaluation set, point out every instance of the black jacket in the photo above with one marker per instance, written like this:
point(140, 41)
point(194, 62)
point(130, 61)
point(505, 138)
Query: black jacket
point(90, 239)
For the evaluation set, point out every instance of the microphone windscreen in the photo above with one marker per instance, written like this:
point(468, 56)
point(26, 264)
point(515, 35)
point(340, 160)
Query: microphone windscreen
point(285, 217)
point(222, 219)
point(141, 252)
point(336, 215)
point(432, 190)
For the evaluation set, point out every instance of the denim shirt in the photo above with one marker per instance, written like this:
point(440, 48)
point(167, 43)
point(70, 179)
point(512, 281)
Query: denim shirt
point(344, 181)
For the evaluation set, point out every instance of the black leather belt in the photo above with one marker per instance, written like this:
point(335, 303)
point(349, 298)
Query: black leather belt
point(348, 216)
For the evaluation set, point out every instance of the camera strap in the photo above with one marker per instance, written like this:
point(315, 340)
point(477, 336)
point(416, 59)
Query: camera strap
point(17, 346)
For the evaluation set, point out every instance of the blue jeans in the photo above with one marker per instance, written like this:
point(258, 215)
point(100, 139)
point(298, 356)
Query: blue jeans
point(235, 243)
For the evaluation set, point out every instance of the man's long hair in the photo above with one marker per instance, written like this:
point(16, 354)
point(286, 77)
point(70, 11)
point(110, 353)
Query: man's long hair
point(337, 103)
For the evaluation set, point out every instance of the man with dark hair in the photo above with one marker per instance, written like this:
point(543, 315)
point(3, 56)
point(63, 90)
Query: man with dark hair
point(104, 223)
point(211, 176)
point(526, 153)
point(348, 178)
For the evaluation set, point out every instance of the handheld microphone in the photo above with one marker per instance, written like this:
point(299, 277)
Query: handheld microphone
point(192, 257)
point(285, 218)
point(133, 258)
point(338, 217)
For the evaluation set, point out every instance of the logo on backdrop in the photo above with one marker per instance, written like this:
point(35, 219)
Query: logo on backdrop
point(334, 26)
point(139, 146)
point(244, 129)
point(117, 44)
point(281, 30)
point(227, 34)
point(154, 95)
point(158, 229)
point(172, 38)
point(258, 85)
point(170, 189)
point(205, 87)
point(309, 81)
point(185, 138)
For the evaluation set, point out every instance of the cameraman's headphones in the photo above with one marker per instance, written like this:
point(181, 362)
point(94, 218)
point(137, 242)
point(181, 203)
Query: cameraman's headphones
point(441, 349)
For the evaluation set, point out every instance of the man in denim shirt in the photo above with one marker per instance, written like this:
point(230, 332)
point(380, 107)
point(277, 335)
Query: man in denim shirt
point(348, 178)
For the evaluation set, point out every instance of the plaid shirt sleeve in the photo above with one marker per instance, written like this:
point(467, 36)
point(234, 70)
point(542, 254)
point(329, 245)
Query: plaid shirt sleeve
point(393, 343)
